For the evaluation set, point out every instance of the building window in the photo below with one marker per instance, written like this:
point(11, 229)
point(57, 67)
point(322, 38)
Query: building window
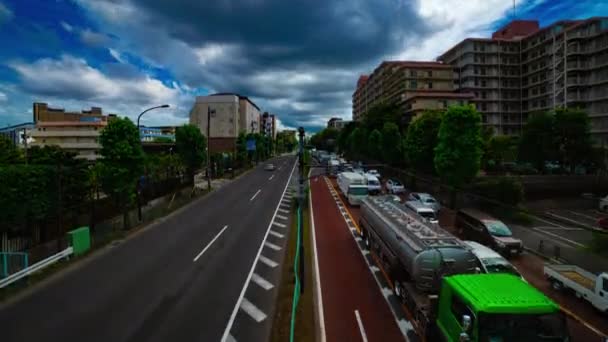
point(413, 73)
point(476, 82)
point(483, 95)
point(476, 94)
point(483, 83)
point(484, 107)
point(430, 73)
point(505, 118)
point(483, 71)
point(430, 85)
point(476, 71)
point(413, 85)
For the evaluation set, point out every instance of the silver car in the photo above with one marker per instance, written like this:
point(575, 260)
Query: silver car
point(269, 167)
point(426, 199)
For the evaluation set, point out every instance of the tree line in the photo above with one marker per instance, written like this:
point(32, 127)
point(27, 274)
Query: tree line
point(44, 189)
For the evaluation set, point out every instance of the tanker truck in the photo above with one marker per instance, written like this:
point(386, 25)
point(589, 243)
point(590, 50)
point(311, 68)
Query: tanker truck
point(437, 279)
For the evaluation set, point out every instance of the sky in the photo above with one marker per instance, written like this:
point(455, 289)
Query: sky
point(298, 59)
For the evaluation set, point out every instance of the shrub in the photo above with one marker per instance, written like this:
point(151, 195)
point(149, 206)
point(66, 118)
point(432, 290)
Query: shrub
point(506, 190)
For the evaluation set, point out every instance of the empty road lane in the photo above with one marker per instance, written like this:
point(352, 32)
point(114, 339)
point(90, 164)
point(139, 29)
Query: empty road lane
point(179, 280)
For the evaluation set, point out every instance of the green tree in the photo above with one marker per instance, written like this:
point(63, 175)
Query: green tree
point(241, 149)
point(325, 139)
point(374, 146)
point(502, 148)
point(458, 151)
point(342, 140)
point(421, 140)
point(122, 163)
point(380, 114)
point(537, 143)
point(358, 141)
point(9, 154)
point(191, 147)
point(573, 135)
point(391, 143)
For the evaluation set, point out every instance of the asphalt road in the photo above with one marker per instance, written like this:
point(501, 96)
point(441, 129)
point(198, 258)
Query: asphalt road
point(150, 288)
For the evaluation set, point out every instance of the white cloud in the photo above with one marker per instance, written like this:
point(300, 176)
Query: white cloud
point(93, 38)
point(212, 52)
point(66, 26)
point(454, 20)
point(71, 81)
point(116, 55)
point(3, 97)
point(281, 126)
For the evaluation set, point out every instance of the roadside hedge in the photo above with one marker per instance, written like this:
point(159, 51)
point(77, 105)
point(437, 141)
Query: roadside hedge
point(506, 190)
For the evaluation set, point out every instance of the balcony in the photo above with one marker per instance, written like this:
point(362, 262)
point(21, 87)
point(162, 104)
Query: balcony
point(66, 133)
point(70, 145)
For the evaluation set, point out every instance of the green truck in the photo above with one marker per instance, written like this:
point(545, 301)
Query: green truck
point(436, 277)
point(496, 307)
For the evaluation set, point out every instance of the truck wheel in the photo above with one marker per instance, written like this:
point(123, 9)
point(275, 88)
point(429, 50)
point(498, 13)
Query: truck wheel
point(398, 290)
point(556, 285)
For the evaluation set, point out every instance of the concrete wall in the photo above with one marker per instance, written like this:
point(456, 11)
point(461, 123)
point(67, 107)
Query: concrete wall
point(248, 114)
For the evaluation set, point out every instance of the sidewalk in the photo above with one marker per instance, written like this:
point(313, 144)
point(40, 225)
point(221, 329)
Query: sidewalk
point(353, 306)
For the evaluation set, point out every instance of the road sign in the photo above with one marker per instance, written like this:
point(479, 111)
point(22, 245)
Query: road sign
point(251, 145)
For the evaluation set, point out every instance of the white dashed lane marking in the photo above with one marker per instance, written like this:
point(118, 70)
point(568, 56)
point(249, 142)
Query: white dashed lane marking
point(268, 262)
point(252, 310)
point(261, 282)
point(282, 217)
point(272, 246)
point(279, 224)
point(275, 234)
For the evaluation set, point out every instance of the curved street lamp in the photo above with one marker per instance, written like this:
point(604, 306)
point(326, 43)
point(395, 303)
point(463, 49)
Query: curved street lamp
point(147, 110)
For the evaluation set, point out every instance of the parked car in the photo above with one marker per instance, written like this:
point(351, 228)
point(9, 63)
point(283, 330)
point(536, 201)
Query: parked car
point(373, 184)
point(478, 226)
point(269, 167)
point(426, 199)
point(424, 212)
point(604, 204)
point(374, 173)
point(393, 186)
point(490, 261)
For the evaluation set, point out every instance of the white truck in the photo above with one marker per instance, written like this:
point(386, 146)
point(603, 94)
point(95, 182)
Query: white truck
point(587, 285)
point(353, 186)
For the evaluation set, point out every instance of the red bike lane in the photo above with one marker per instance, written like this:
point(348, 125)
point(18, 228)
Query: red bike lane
point(347, 284)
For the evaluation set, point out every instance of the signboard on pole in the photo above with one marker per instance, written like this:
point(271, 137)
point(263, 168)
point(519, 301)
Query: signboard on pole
point(251, 145)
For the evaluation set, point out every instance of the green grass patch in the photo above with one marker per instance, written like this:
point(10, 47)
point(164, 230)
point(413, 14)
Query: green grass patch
point(305, 320)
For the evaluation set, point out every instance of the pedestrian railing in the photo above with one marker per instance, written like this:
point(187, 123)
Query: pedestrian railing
point(36, 267)
point(12, 262)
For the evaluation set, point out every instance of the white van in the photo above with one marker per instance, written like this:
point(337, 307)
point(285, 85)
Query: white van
point(373, 184)
point(353, 186)
point(423, 211)
point(490, 260)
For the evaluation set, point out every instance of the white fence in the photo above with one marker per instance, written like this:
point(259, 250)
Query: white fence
point(36, 267)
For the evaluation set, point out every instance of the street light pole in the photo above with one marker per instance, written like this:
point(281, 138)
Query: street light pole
point(138, 186)
point(209, 112)
point(144, 112)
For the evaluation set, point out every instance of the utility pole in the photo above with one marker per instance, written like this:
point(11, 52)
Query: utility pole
point(301, 205)
point(209, 112)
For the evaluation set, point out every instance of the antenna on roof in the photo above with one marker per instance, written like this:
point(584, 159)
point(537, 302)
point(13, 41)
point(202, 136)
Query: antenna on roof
point(514, 13)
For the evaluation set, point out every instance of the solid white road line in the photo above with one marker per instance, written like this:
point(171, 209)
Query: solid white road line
point(268, 262)
point(284, 211)
point(317, 277)
point(272, 246)
point(275, 234)
point(252, 310)
point(256, 193)
point(361, 329)
point(242, 295)
point(583, 215)
point(271, 177)
point(263, 283)
point(209, 244)
point(279, 224)
point(572, 243)
point(282, 217)
point(569, 219)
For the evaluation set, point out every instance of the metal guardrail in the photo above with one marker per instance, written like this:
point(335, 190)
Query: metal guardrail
point(36, 267)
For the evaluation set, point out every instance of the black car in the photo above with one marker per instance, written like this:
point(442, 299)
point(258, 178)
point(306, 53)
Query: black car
point(478, 226)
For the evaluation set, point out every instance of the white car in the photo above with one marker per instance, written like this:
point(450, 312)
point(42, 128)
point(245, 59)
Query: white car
point(374, 173)
point(604, 204)
point(373, 184)
point(393, 186)
point(426, 199)
point(490, 261)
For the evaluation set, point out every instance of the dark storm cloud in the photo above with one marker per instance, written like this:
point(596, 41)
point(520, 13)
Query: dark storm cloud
point(279, 32)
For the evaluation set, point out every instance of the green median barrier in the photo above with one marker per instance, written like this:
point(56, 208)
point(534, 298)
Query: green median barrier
point(80, 240)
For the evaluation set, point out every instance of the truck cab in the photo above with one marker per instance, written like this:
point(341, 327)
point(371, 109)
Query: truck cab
point(496, 307)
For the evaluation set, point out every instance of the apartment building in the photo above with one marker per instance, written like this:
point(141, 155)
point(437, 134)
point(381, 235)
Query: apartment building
point(337, 123)
point(400, 82)
point(523, 69)
point(269, 124)
point(76, 132)
point(231, 115)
